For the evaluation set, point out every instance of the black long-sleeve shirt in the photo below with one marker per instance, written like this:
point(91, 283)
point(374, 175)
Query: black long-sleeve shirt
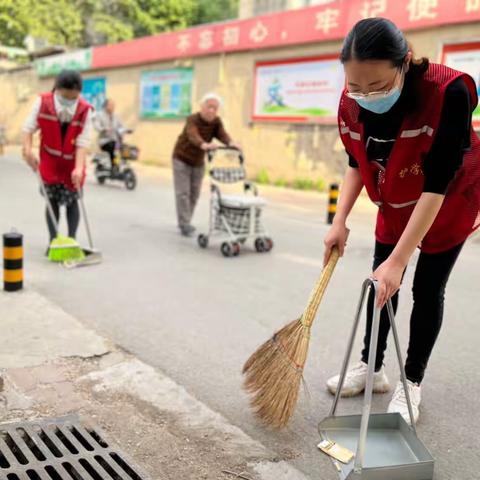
point(451, 140)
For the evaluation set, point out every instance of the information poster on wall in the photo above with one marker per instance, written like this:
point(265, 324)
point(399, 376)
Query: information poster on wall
point(299, 90)
point(166, 93)
point(466, 58)
point(94, 91)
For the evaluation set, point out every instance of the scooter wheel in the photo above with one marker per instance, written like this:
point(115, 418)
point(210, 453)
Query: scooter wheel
point(100, 175)
point(130, 179)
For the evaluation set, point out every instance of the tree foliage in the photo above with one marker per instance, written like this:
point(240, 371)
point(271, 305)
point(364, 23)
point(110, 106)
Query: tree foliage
point(81, 23)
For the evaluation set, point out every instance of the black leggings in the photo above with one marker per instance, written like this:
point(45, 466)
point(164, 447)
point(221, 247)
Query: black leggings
point(431, 276)
point(73, 218)
point(110, 149)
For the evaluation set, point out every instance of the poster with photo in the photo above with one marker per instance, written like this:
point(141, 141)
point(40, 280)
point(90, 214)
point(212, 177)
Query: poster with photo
point(298, 90)
point(466, 58)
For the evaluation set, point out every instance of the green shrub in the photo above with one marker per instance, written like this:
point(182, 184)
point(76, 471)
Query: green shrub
point(280, 182)
point(263, 177)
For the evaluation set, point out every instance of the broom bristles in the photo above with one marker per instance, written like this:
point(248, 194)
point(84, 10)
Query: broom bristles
point(274, 372)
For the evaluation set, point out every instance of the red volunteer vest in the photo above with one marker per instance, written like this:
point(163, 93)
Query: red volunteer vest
point(57, 157)
point(397, 188)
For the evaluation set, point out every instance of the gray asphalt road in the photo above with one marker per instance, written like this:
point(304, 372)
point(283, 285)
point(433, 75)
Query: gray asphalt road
point(198, 316)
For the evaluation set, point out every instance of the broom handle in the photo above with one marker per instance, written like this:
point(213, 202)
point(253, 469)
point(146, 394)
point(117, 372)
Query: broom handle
point(319, 289)
point(47, 200)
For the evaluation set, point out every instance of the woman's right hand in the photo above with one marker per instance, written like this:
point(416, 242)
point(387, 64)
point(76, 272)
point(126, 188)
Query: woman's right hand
point(336, 236)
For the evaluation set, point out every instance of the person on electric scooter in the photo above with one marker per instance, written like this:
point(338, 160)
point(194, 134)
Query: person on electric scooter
point(109, 128)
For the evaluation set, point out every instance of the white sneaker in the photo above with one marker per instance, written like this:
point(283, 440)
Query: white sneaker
point(356, 379)
point(399, 401)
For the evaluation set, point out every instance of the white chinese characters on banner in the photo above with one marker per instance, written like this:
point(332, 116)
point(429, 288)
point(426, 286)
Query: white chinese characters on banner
point(373, 8)
point(327, 20)
point(422, 9)
point(184, 42)
point(205, 40)
point(259, 32)
point(231, 36)
point(472, 6)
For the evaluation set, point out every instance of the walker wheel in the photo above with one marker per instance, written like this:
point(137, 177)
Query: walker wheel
point(268, 243)
point(202, 241)
point(260, 245)
point(227, 249)
point(236, 249)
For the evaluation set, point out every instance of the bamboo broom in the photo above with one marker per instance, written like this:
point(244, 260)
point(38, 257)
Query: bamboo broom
point(273, 373)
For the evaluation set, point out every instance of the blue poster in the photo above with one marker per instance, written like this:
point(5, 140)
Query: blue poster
point(94, 91)
point(166, 93)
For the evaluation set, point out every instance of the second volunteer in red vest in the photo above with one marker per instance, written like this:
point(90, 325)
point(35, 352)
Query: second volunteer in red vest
point(406, 127)
point(64, 119)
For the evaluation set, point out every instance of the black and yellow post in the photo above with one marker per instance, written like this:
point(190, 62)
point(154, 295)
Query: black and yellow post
point(12, 261)
point(332, 202)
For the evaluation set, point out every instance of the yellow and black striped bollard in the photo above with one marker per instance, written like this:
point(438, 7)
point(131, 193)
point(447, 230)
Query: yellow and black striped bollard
point(332, 202)
point(12, 261)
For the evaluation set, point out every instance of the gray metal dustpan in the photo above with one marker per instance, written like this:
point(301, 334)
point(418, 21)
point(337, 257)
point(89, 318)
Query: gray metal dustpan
point(386, 447)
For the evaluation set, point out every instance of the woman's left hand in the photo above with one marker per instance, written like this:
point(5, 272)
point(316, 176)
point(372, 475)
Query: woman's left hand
point(389, 277)
point(77, 176)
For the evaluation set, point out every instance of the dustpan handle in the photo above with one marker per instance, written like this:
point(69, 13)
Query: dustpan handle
point(403, 376)
point(85, 218)
point(367, 403)
point(367, 399)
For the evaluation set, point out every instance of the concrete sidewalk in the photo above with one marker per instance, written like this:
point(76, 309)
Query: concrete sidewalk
point(53, 366)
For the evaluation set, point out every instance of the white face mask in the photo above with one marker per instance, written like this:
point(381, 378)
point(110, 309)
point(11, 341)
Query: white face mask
point(65, 102)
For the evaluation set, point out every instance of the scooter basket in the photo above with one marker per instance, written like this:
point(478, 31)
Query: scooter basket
point(129, 152)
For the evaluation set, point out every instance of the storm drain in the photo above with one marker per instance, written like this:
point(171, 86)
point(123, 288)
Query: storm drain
point(61, 449)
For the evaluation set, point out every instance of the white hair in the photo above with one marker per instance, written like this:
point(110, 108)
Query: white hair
point(211, 96)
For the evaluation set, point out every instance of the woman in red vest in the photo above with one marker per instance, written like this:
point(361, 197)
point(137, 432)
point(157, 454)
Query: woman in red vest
point(406, 127)
point(64, 120)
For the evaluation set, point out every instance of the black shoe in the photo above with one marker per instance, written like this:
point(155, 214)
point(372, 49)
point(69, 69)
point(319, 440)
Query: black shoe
point(187, 230)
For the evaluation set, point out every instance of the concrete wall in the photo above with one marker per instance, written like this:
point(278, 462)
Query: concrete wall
point(285, 150)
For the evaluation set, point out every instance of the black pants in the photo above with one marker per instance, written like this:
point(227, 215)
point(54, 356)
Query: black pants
point(430, 280)
point(73, 218)
point(110, 149)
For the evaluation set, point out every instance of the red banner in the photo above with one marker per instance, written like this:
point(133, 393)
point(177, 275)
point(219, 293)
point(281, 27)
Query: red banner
point(314, 24)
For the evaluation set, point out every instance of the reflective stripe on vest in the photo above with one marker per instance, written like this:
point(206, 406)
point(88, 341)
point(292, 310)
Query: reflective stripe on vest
point(58, 153)
point(52, 151)
point(46, 116)
point(397, 205)
point(418, 131)
point(353, 135)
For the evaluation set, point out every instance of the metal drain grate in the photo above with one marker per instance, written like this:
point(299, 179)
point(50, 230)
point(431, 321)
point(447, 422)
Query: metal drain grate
point(61, 449)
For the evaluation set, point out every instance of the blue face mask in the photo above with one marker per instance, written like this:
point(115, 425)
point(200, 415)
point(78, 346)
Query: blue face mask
point(380, 103)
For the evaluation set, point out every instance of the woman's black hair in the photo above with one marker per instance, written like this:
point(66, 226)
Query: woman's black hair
point(69, 79)
point(378, 39)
